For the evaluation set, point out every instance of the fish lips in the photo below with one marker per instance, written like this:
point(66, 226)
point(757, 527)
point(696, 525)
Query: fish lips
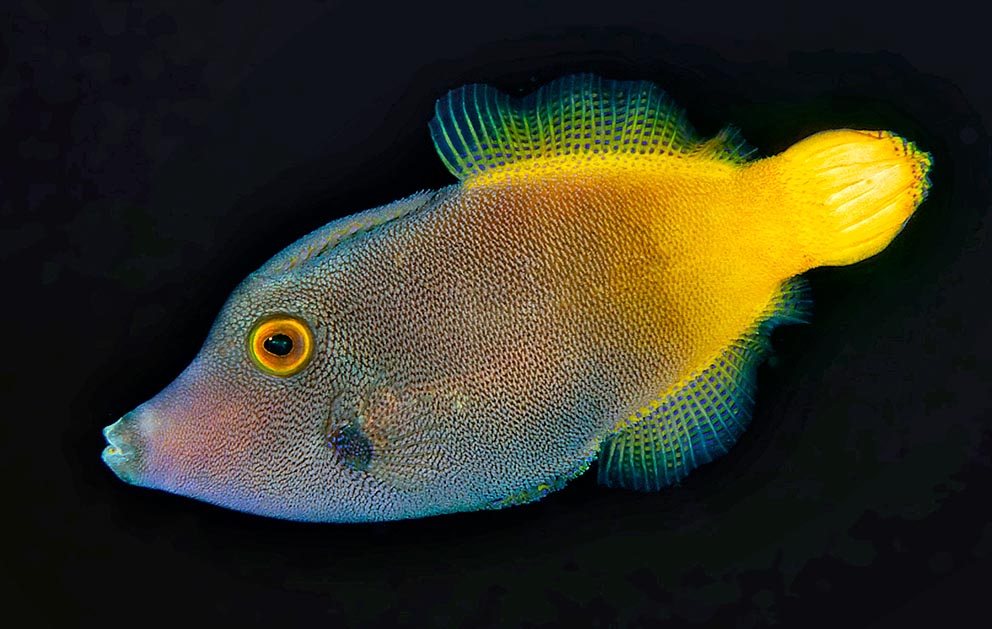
point(124, 453)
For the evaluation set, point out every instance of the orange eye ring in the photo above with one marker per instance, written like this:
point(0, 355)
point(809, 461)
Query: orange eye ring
point(280, 345)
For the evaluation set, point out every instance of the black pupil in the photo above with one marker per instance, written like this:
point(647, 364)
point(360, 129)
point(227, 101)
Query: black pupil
point(278, 344)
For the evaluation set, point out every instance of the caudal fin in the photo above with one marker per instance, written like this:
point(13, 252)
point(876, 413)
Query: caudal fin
point(854, 189)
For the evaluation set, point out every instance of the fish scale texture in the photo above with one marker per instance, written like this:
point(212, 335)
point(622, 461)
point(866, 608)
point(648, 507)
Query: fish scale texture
point(601, 282)
point(493, 337)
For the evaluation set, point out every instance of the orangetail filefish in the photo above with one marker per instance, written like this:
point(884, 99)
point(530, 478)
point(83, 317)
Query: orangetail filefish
point(599, 286)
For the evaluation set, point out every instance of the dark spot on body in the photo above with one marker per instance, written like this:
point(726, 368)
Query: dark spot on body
point(352, 445)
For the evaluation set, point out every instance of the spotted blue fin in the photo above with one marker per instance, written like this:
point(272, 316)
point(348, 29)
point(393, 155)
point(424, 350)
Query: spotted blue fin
point(477, 128)
point(702, 418)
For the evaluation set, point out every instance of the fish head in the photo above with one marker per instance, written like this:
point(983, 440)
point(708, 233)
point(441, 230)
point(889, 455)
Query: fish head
point(244, 425)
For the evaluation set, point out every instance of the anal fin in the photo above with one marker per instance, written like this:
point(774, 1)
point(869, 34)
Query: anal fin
point(701, 417)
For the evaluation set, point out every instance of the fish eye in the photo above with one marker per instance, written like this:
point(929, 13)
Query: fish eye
point(280, 344)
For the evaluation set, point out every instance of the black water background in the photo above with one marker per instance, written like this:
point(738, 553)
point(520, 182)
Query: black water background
point(151, 158)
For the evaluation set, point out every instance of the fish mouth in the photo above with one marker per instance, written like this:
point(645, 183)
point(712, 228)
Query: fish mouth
point(123, 454)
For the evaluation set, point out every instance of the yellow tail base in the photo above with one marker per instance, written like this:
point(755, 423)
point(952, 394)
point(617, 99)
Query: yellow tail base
point(853, 190)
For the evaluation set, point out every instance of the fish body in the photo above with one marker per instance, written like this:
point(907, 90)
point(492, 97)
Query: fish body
point(599, 285)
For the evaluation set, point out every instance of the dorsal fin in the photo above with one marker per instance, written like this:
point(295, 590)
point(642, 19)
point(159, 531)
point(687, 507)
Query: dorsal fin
point(703, 416)
point(477, 128)
point(318, 242)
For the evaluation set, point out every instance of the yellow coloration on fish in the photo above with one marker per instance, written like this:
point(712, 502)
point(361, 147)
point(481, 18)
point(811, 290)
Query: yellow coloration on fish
point(733, 232)
point(600, 285)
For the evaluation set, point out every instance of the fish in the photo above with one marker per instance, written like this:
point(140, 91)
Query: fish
point(598, 287)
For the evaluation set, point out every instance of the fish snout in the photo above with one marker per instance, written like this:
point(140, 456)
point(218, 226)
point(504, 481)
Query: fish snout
point(124, 453)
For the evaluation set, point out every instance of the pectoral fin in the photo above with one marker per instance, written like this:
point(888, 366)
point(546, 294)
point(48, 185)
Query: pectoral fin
point(376, 434)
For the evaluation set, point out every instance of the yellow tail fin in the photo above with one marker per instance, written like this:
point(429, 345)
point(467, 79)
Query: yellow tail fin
point(854, 191)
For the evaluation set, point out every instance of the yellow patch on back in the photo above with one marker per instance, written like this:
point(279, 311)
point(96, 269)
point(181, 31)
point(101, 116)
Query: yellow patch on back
point(710, 242)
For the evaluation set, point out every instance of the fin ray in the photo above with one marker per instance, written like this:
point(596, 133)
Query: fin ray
point(581, 115)
point(699, 419)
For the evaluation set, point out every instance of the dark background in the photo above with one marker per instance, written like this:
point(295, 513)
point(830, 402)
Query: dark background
point(151, 157)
